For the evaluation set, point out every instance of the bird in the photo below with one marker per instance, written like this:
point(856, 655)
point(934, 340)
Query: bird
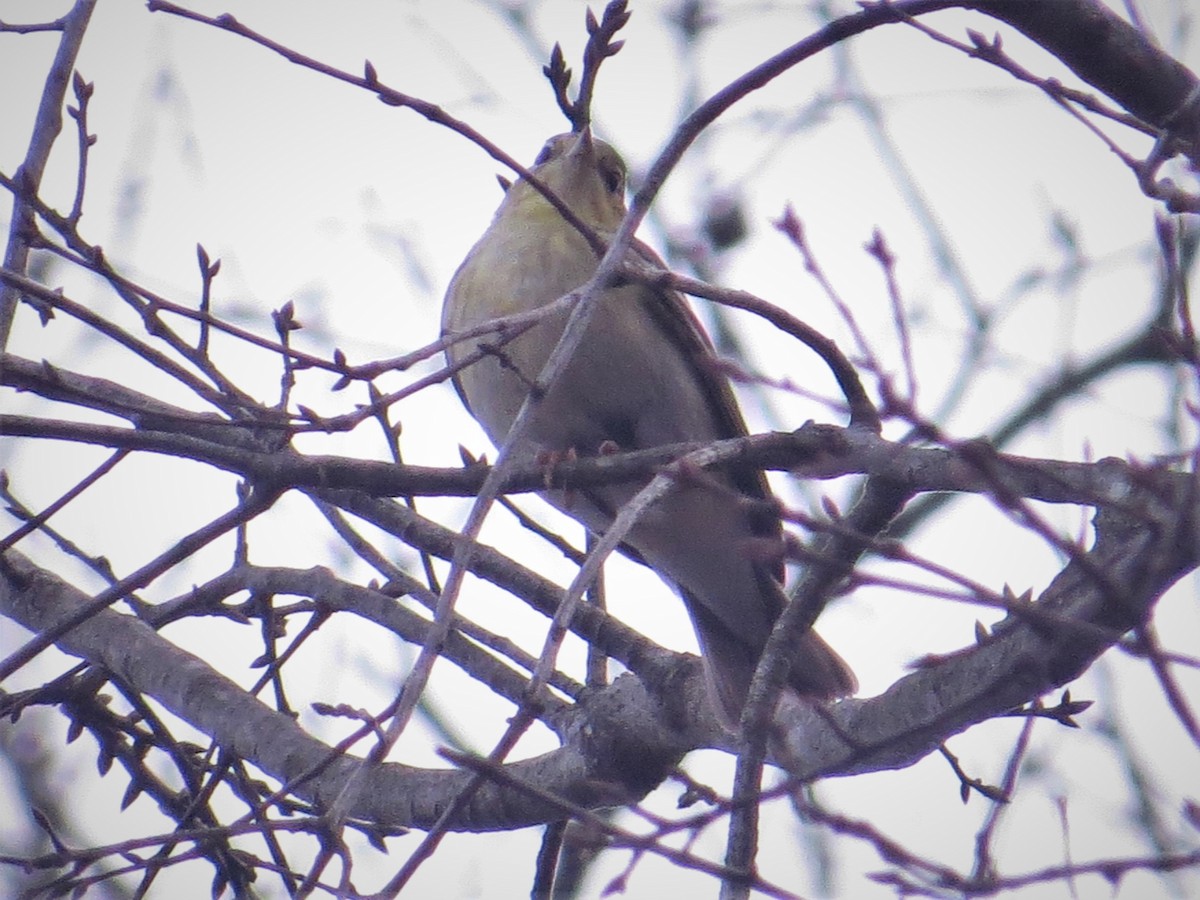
point(643, 375)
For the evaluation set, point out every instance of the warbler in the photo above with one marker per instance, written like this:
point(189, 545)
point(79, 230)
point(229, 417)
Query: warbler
point(643, 376)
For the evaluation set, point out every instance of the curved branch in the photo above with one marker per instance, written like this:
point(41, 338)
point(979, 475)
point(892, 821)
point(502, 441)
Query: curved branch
point(622, 739)
point(592, 768)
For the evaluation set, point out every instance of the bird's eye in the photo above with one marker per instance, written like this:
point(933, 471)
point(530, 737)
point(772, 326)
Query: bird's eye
point(613, 178)
point(544, 156)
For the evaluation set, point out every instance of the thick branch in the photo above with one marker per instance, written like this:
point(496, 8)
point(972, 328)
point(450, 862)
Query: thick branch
point(583, 772)
point(1112, 56)
point(1137, 555)
point(626, 738)
point(813, 451)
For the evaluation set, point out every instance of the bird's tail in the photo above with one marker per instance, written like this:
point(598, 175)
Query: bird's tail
point(817, 671)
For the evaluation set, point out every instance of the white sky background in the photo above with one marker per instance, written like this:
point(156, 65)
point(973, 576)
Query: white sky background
point(311, 191)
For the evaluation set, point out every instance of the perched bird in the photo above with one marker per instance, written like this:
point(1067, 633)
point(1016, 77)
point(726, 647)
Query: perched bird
point(643, 376)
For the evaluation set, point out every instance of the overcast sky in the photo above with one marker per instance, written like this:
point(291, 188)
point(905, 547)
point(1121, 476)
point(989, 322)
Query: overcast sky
point(311, 191)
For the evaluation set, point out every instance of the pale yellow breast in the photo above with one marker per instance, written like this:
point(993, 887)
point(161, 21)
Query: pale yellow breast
point(527, 258)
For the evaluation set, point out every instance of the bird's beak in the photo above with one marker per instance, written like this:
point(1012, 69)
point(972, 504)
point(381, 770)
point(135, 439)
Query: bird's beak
point(584, 147)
